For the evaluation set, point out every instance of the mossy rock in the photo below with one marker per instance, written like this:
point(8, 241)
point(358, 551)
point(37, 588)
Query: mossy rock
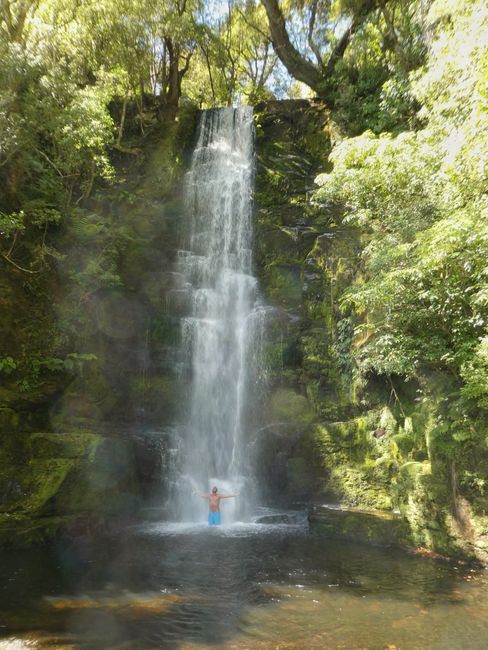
point(48, 460)
point(360, 487)
point(159, 396)
point(62, 445)
point(284, 284)
point(28, 488)
point(106, 483)
point(166, 160)
point(20, 530)
point(424, 500)
point(385, 469)
point(9, 419)
point(413, 470)
point(12, 448)
point(338, 443)
point(387, 421)
point(42, 480)
point(297, 263)
point(300, 478)
point(289, 407)
point(404, 443)
point(378, 528)
point(63, 477)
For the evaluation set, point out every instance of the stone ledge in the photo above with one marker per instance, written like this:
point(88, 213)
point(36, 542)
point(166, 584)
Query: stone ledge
point(382, 528)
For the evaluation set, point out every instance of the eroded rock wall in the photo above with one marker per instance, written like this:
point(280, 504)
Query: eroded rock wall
point(91, 343)
point(330, 436)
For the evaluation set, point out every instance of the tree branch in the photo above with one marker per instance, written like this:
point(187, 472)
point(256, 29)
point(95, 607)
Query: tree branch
point(311, 25)
point(20, 268)
point(15, 25)
point(11, 249)
point(209, 69)
point(252, 25)
point(340, 48)
point(297, 65)
point(184, 69)
point(50, 162)
point(12, 153)
point(390, 26)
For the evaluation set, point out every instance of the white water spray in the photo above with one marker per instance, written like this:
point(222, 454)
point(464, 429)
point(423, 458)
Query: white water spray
point(222, 334)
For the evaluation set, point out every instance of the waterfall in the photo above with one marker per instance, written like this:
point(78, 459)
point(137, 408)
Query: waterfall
point(222, 333)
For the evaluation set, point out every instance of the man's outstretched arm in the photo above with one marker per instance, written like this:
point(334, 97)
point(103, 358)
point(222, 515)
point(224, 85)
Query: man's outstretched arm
point(229, 496)
point(200, 494)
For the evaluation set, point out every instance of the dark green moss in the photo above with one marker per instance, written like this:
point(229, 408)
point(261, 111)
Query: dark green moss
point(365, 527)
point(49, 480)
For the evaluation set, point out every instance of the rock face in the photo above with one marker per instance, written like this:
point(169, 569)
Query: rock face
point(91, 342)
point(91, 338)
point(328, 437)
point(76, 482)
point(325, 436)
point(54, 481)
point(379, 528)
point(305, 258)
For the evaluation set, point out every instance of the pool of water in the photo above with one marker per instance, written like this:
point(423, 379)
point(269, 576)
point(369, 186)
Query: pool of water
point(240, 586)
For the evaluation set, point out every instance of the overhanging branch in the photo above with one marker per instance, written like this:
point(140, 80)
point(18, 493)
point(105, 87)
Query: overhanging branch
point(299, 66)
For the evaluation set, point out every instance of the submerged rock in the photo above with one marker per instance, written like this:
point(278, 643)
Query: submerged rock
point(372, 527)
point(274, 519)
point(52, 482)
point(127, 604)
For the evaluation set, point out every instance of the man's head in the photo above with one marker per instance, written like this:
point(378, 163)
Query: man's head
point(214, 490)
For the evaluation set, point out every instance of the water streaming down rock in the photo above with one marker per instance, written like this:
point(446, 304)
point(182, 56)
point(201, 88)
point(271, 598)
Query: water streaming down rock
point(223, 333)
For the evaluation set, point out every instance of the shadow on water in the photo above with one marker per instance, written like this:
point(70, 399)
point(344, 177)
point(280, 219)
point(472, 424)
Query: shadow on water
point(239, 586)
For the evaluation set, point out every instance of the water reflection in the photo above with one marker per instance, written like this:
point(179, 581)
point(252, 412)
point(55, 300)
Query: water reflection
point(240, 586)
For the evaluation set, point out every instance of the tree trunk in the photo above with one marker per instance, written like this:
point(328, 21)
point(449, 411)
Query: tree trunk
point(210, 76)
point(298, 66)
point(174, 86)
point(171, 97)
point(315, 76)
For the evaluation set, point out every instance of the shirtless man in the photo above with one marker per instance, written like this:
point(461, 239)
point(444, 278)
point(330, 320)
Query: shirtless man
point(214, 504)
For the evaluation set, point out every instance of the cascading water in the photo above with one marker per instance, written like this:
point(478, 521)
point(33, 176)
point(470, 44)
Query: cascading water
point(222, 334)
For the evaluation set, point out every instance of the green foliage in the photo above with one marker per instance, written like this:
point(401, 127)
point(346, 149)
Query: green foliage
point(419, 199)
point(342, 347)
point(7, 365)
point(30, 372)
point(427, 235)
point(475, 374)
point(235, 58)
point(361, 487)
point(54, 130)
point(370, 87)
point(357, 95)
point(11, 223)
point(85, 128)
point(290, 408)
point(26, 230)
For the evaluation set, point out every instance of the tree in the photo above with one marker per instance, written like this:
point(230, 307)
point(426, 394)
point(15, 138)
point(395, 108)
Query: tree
point(14, 15)
point(335, 46)
point(179, 45)
point(318, 74)
point(237, 54)
point(258, 59)
point(146, 45)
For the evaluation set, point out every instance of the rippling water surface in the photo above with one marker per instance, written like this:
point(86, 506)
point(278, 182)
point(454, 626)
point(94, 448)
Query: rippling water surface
point(240, 586)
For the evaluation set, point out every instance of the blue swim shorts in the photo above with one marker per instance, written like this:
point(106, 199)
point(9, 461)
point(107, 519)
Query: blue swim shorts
point(214, 518)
